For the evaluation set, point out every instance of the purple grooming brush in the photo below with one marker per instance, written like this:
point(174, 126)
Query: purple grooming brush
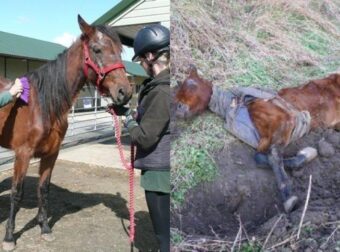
point(26, 89)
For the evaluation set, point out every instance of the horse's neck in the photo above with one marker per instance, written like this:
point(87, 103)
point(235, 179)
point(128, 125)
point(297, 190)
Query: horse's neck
point(220, 100)
point(75, 75)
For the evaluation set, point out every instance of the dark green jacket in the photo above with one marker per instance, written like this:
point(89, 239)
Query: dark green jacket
point(152, 135)
point(5, 98)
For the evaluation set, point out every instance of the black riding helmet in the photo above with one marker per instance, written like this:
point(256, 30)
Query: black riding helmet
point(152, 38)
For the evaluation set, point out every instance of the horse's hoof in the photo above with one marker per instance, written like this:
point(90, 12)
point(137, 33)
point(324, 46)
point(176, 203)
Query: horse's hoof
point(261, 160)
point(48, 237)
point(309, 153)
point(8, 246)
point(290, 204)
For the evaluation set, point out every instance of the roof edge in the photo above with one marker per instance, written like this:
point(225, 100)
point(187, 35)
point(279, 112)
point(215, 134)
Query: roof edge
point(115, 11)
point(31, 38)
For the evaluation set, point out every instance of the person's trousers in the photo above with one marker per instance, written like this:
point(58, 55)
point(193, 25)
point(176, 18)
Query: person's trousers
point(159, 209)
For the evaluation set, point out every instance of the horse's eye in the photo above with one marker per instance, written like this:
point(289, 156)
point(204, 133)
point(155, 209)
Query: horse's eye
point(182, 106)
point(96, 50)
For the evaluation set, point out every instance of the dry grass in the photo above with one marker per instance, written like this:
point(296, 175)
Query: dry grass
point(268, 43)
point(243, 243)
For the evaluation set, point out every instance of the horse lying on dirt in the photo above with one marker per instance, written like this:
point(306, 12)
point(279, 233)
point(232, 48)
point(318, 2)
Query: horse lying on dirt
point(266, 120)
point(37, 129)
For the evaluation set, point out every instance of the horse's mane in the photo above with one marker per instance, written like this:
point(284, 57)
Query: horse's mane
point(50, 81)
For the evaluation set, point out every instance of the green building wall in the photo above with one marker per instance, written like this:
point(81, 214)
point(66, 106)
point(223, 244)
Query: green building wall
point(12, 68)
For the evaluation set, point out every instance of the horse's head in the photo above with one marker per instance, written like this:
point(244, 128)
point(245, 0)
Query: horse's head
point(193, 95)
point(103, 63)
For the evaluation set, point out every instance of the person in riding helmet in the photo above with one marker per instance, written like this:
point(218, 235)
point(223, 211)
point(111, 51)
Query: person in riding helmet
point(10, 95)
point(149, 129)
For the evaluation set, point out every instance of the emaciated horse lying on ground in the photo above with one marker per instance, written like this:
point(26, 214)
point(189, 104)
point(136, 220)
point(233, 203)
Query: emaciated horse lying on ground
point(267, 121)
point(37, 129)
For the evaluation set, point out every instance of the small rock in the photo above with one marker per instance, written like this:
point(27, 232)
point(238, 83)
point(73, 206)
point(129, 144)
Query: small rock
point(332, 217)
point(337, 177)
point(334, 139)
point(324, 246)
point(298, 173)
point(325, 148)
point(285, 250)
point(311, 244)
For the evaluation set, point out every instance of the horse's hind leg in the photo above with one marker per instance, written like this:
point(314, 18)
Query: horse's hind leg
point(45, 171)
point(295, 162)
point(276, 162)
point(303, 156)
point(20, 169)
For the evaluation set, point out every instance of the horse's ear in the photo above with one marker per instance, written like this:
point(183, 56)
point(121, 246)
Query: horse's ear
point(86, 29)
point(192, 70)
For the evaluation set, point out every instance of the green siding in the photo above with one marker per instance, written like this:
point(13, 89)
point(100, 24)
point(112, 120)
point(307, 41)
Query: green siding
point(33, 64)
point(20, 46)
point(15, 68)
point(2, 66)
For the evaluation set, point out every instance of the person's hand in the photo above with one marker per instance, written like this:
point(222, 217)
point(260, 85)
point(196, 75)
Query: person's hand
point(118, 110)
point(16, 89)
point(130, 121)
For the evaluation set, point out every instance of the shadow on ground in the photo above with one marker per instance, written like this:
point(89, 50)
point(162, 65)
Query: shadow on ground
point(64, 202)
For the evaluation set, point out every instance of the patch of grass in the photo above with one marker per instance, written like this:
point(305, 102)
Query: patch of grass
point(251, 247)
point(308, 230)
point(296, 18)
point(176, 236)
point(263, 35)
point(316, 43)
point(253, 72)
point(192, 155)
point(197, 167)
point(322, 70)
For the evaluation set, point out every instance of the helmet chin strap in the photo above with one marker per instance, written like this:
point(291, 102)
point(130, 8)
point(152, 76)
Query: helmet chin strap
point(150, 63)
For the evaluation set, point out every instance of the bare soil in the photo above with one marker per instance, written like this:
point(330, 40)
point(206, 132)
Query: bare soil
point(88, 211)
point(244, 193)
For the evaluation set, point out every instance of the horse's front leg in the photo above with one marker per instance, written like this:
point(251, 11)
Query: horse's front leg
point(275, 159)
point(45, 172)
point(21, 163)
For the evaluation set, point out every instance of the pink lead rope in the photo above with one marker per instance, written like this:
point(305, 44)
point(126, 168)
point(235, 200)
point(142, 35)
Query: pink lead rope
point(129, 167)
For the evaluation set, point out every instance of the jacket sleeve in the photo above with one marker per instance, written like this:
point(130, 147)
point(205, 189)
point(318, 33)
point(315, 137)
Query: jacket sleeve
point(5, 98)
point(155, 121)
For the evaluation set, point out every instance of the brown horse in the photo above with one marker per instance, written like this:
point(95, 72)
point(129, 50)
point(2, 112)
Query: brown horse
point(37, 129)
point(275, 119)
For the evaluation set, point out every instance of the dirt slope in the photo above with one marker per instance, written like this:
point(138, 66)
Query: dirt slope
point(242, 191)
